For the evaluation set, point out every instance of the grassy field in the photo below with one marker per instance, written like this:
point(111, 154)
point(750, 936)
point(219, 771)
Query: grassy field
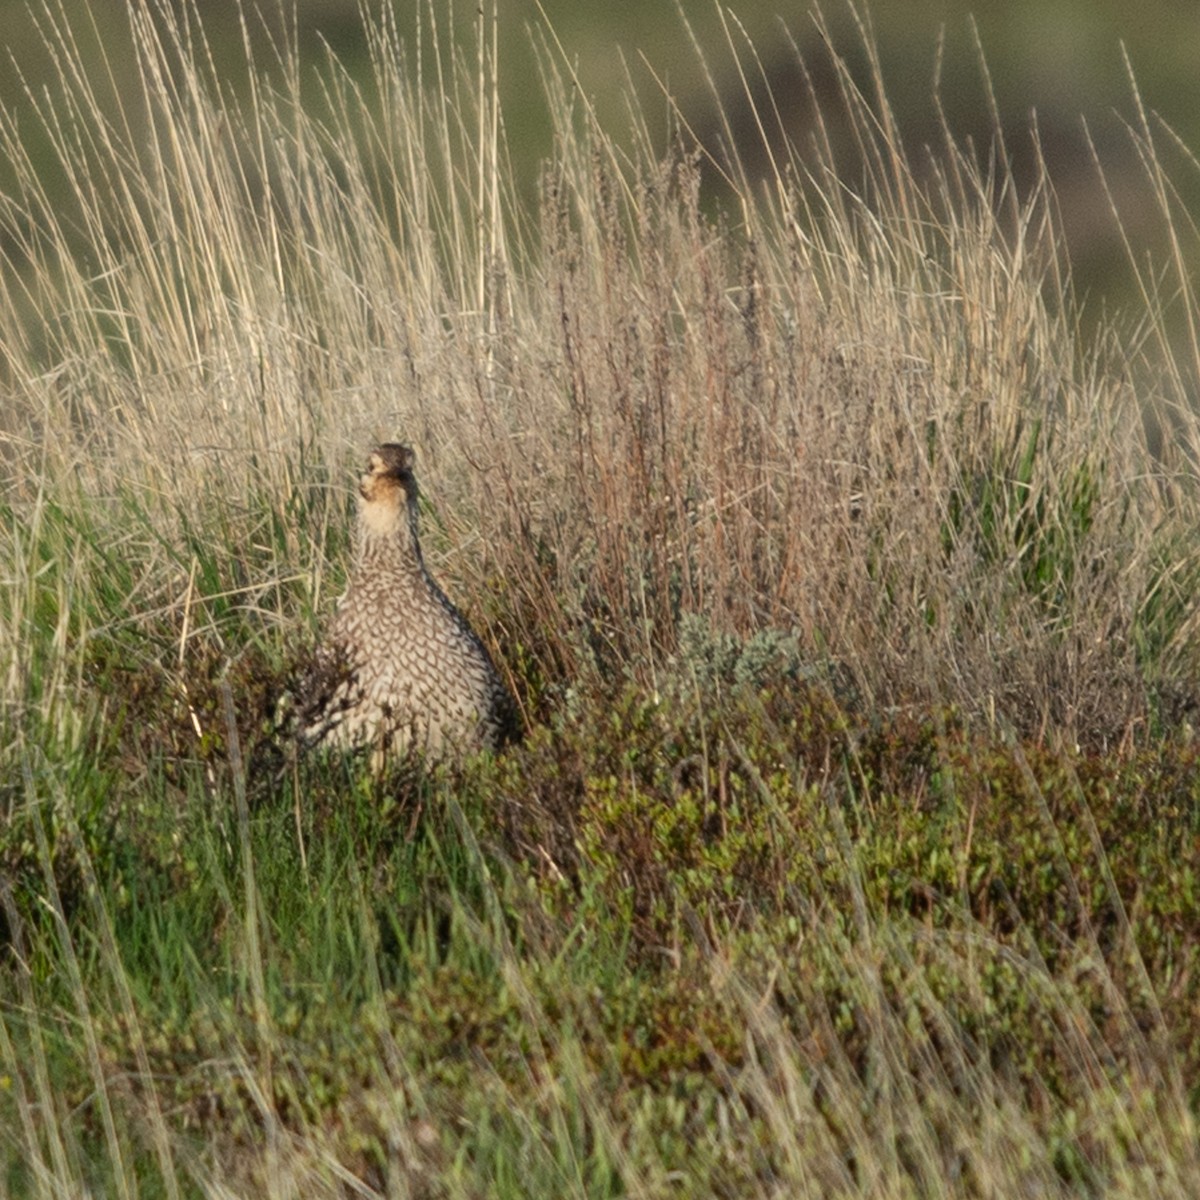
point(848, 593)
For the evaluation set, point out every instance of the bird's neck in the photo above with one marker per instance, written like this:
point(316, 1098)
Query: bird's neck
point(387, 536)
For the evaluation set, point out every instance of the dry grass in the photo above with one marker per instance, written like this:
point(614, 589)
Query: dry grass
point(856, 407)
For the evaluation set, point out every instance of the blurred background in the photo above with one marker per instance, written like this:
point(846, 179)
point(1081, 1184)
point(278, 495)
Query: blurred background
point(1063, 60)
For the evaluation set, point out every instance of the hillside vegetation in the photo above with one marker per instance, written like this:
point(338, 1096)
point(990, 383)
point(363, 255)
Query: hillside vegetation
point(848, 594)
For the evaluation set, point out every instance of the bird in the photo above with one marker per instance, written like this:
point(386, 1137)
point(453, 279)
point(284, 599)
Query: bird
point(400, 669)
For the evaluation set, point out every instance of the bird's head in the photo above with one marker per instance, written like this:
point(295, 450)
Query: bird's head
point(389, 471)
point(387, 487)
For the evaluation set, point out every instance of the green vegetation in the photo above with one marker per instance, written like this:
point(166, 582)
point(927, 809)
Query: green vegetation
point(848, 593)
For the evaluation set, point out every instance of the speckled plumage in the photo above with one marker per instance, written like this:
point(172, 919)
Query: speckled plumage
point(400, 668)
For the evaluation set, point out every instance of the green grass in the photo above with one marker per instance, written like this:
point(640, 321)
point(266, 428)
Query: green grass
point(847, 593)
point(944, 961)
